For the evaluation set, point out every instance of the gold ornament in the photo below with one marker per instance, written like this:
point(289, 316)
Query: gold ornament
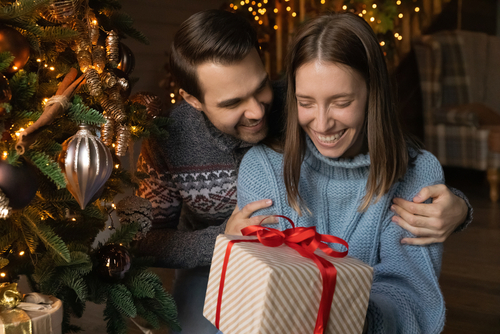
point(4, 206)
point(114, 109)
point(150, 101)
point(113, 48)
point(84, 60)
point(109, 79)
point(93, 81)
point(122, 139)
point(99, 56)
point(9, 296)
point(114, 93)
point(107, 130)
point(59, 11)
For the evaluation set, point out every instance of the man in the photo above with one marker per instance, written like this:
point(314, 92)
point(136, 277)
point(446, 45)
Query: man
point(228, 108)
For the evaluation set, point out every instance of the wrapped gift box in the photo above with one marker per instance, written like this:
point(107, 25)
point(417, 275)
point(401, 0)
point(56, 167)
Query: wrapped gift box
point(30, 317)
point(269, 290)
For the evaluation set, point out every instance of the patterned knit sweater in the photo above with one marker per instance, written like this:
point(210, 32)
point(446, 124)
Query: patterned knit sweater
point(405, 296)
point(192, 185)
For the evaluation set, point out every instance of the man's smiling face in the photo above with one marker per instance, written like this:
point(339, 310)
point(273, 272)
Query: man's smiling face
point(236, 97)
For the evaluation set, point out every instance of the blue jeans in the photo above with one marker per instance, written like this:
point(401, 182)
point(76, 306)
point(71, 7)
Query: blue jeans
point(189, 290)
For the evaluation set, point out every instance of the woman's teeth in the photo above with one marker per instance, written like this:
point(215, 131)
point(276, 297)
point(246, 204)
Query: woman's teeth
point(332, 138)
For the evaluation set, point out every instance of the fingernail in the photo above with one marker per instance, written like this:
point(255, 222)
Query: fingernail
point(394, 219)
point(403, 242)
point(269, 202)
point(276, 219)
point(392, 208)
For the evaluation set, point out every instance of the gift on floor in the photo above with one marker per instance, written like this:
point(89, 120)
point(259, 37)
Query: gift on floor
point(35, 314)
point(269, 290)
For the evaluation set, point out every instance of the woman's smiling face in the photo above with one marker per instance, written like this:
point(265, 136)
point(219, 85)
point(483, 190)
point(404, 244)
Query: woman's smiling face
point(331, 103)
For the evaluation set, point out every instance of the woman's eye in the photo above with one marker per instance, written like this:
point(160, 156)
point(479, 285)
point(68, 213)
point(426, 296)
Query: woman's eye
point(343, 104)
point(305, 105)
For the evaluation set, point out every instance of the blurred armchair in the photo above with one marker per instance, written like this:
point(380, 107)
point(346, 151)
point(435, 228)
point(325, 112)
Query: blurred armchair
point(460, 83)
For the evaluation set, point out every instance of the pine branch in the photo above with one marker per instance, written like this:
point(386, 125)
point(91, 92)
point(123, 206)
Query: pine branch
point(140, 285)
point(53, 34)
point(7, 107)
point(48, 167)
point(21, 8)
point(74, 281)
point(122, 299)
point(30, 238)
point(124, 23)
point(115, 321)
point(147, 315)
point(23, 85)
point(125, 234)
point(6, 58)
point(51, 240)
point(80, 113)
point(8, 237)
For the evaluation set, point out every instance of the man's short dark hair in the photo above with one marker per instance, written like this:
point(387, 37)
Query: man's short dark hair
point(213, 35)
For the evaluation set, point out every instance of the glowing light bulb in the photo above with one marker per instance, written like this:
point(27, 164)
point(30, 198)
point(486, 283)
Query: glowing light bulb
point(275, 27)
point(253, 3)
point(172, 101)
point(250, 9)
point(73, 219)
point(235, 7)
point(396, 35)
point(400, 37)
point(400, 15)
point(322, 2)
point(39, 60)
point(259, 5)
point(21, 253)
point(52, 68)
point(117, 166)
point(294, 14)
point(417, 9)
point(265, 1)
point(256, 18)
point(372, 19)
point(344, 7)
point(260, 22)
point(363, 11)
point(275, 10)
point(382, 43)
point(172, 94)
point(3, 274)
point(398, 2)
point(374, 5)
point(288, 8)
point(15, 68)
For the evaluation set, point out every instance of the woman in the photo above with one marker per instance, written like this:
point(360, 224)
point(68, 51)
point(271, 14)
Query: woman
point(345, 158)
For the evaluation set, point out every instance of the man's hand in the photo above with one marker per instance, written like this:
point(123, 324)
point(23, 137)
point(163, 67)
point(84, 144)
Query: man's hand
point(433, 222)
point(241, 218)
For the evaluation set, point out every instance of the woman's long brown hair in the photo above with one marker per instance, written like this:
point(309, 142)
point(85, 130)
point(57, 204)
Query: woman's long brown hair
point(347, 39)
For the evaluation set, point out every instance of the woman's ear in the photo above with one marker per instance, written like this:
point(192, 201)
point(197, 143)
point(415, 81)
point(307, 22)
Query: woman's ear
point(193, 101)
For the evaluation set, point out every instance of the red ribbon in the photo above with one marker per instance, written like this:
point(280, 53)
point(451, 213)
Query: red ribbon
point(304, 240)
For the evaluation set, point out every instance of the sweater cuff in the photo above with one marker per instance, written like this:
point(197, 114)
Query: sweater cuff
point(470, 210)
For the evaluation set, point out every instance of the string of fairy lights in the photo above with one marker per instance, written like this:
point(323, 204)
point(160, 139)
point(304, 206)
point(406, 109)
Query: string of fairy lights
point(374, 13)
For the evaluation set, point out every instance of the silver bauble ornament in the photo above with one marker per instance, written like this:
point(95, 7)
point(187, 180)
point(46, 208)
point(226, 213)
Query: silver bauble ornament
point(87, 164)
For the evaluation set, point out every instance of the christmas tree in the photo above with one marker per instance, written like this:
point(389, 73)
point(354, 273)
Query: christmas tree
point(66, 118)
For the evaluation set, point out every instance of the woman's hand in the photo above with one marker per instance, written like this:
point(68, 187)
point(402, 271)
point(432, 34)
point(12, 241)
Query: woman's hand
point(432, 222)
point(241, 218)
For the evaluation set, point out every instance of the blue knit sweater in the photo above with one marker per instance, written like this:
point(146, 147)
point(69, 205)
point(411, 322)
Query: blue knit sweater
point(405, 296)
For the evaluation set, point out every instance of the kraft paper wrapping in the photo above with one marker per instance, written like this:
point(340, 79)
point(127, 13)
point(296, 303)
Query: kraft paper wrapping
point(272, 290)
point(47, 319)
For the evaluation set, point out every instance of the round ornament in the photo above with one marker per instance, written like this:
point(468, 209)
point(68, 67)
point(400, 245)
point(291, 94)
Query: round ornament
point(13, 41)
point(87, 164)
point(150, 101)
point(127, 59)
point(18, 183)
point(113, 262)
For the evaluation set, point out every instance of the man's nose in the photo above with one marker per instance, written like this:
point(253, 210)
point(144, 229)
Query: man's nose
point(255, 109)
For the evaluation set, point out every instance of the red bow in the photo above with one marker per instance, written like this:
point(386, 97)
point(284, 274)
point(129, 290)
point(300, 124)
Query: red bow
point(304, 240)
